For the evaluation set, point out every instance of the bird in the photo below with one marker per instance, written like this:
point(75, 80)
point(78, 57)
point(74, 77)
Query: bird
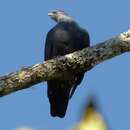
point(64, 38)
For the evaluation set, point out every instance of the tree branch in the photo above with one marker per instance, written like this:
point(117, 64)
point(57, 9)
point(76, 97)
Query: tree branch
point(62, 67)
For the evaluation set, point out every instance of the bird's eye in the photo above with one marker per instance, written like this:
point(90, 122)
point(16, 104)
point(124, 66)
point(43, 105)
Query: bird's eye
point(54, 12)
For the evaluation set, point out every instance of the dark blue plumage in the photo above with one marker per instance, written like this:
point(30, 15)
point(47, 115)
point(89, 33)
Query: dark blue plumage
point(66, 37)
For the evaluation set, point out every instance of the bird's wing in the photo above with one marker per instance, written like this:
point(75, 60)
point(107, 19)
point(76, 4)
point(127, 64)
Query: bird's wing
point(48, 47)
point(57, 42)
point(78, 80)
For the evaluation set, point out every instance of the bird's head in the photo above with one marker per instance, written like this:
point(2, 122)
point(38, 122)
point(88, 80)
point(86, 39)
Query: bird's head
point(60, 16)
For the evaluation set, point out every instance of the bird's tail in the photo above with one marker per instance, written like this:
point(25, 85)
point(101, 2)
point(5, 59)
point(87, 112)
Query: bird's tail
point(58, 94)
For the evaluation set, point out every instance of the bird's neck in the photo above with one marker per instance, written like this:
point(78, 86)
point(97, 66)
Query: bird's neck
point(65, 19)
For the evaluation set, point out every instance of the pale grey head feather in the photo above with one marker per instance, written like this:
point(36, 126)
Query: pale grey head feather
point(60, 16)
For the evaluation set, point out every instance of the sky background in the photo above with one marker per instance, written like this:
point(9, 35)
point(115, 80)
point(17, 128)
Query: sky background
point(23, 28)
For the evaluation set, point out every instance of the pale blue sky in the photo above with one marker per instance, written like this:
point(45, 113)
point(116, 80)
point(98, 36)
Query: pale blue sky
point(23, 28)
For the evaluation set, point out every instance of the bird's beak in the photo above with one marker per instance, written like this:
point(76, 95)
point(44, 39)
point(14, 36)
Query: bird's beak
point(50, 14)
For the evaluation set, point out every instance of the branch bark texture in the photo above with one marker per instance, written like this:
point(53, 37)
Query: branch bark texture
point(60, 67)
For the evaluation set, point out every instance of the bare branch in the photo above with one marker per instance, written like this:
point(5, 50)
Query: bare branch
point(61, 67)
